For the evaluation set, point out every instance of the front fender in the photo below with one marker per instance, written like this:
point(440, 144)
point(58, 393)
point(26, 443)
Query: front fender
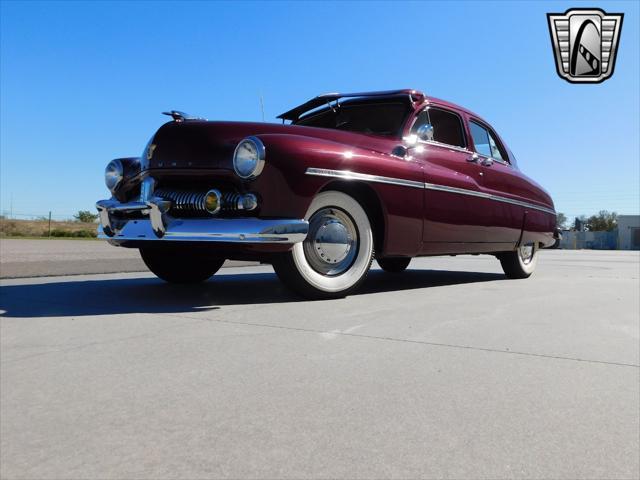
point(286, 188)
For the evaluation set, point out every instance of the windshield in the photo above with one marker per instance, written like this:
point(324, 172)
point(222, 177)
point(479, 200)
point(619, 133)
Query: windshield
point(383, 118)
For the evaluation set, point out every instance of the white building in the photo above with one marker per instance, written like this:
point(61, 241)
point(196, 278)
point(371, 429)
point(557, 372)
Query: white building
point(629, 232)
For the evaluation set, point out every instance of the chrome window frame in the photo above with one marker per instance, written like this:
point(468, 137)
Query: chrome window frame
point(464, 149)
point(496, 139)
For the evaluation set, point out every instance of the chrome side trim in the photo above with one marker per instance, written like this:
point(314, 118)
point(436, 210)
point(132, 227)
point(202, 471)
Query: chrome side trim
point(488, 196)
point(461, 191)
point(348, 175)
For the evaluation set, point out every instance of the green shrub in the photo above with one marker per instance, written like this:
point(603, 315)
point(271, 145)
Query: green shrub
point(57, 232)
point(85, 233)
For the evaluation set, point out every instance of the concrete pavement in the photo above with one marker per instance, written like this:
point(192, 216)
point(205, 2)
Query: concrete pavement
point(445, 371)
point(21, 258)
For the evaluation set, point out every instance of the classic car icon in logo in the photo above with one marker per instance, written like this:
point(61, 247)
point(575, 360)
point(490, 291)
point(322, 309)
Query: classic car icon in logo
point(585, 43)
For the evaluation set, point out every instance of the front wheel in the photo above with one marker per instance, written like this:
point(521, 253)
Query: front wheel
point(335, 257)
point(179, 266)
point(522, 262)
point(394, 265)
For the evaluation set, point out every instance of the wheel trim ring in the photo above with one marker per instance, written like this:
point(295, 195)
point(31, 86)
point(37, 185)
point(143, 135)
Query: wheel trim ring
point(526, 253)
point(332, 233)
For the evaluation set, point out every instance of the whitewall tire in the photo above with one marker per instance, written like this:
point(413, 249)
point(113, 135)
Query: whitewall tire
point(520, 263)
point(336, 256)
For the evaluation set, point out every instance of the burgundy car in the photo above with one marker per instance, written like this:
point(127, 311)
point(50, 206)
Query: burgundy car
point(345, 179)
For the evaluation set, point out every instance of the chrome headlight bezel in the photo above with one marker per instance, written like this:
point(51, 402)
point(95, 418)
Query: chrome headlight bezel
point(257, 162)
point(113, 174)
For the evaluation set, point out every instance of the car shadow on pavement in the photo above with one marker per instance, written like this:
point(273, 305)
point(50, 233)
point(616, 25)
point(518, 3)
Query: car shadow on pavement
point(150, 295)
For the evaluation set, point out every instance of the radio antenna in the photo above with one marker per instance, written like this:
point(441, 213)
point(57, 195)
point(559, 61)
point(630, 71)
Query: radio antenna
point(262, 106)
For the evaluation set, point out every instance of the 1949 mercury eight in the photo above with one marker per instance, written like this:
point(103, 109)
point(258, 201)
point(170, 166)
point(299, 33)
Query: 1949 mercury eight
point(387, 175)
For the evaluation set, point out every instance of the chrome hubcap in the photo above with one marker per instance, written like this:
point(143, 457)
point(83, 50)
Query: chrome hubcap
point(332, 243)
point(526, 253)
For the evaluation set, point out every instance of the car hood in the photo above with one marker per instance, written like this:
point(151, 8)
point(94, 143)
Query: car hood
point(204, 144)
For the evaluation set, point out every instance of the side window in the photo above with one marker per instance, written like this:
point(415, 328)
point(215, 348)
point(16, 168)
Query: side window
point(447, 126)
point(495, 150)
point(480, 139)
point(485, 142)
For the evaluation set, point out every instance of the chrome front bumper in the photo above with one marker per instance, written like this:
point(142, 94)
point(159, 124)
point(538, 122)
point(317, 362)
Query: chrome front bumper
point(153, 223)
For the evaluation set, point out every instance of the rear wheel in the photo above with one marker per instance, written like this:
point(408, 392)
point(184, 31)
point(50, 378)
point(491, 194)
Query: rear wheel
point(335, 257)
point(522, 262)
point(178, 266)
point(394, 265)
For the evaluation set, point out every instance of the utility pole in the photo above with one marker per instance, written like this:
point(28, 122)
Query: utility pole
point(49, 223)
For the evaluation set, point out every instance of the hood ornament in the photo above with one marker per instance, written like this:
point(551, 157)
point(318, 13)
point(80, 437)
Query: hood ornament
point(181, 116)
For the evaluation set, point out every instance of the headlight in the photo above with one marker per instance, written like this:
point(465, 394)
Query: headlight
point(113, 174)
point(248, 158)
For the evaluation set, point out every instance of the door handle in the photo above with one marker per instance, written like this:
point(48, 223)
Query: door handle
point(473, 158)
point(487, 162)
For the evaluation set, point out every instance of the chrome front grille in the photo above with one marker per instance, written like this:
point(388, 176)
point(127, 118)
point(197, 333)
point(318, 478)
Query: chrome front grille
point(191, 202)
point(231, 200)
point(183, 200)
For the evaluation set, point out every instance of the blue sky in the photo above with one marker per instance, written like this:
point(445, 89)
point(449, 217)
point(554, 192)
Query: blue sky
point(84, 82)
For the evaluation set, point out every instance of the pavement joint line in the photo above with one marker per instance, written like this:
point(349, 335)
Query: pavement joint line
point(91, 344)
point(419, 342)
point(117, 340)
point(89, 273)
point(373, 337)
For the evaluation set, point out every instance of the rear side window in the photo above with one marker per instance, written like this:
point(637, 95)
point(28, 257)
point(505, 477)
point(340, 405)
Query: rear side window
point(485, 142)
point(447, 126)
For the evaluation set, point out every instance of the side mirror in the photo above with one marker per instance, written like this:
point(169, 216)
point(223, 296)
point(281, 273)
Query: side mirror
point(425, 132)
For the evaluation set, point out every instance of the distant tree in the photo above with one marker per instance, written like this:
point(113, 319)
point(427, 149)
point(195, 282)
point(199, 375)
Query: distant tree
point(580, 223)
point(604, 221)
point(561, 220)
point(85, 216)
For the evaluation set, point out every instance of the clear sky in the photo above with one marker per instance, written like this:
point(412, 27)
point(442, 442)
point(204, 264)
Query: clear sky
point(84, 82)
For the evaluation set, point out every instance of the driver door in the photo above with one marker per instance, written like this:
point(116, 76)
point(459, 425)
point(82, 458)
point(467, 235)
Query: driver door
point(452, 214)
